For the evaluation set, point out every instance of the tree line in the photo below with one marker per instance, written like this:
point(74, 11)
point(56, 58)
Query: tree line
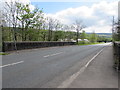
point(116, 32)
point(20, 23)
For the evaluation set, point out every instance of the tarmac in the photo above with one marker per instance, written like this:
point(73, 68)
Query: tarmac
point(100, 72)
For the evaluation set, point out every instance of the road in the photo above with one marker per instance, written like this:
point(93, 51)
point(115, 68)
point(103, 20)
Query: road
point(45, 67)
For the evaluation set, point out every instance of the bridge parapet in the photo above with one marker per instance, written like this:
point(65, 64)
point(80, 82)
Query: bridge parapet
point(116, 46)
point(11, 46)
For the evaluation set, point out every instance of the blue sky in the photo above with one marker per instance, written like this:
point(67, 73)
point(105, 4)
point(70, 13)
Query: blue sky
point(53, 7)
point(97, 16)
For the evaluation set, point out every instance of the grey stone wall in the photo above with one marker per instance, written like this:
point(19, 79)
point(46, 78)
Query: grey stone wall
point(11, 46)
point(117, 53)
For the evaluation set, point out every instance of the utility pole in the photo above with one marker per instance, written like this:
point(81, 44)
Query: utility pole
point(113, 29)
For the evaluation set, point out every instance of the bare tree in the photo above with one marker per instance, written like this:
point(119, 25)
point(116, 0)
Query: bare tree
point(12, 18)
point(78, 27)
point(51, 22)
point(11, 13)
point(57, 24)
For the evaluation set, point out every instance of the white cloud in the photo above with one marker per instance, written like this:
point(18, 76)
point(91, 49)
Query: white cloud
point(97, 17)
point(98, 29)
point(2, 3)
point(21, 1)
point(70, 0)
point(4, 9)
point(108, 8)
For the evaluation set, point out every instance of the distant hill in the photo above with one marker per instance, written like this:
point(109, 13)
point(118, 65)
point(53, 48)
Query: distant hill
point(108, 35)
point(104, 33)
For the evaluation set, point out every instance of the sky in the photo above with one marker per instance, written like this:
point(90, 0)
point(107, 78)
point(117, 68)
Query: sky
point(53, 7)
point(96, 14)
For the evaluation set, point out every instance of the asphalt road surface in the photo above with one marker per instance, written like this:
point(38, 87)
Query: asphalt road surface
point(45, 67)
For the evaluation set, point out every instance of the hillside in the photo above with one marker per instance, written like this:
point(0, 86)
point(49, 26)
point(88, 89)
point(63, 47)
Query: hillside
point(107, 35)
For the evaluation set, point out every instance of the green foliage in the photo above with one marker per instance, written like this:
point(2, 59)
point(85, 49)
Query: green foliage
point(83, 35)
point(103, 39)
point(93, 37)
point(31, 25)
point(116, 37)
point(58, 35)
point(42, 35)
point(116, 33)
point(88, 43)
point(70, 35)
point(1, 53)
point(83, 42)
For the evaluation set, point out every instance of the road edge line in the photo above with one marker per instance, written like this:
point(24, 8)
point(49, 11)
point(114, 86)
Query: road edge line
point(68, 81)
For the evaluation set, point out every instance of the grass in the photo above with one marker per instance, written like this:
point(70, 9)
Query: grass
point(90, 43)
point(2, 53)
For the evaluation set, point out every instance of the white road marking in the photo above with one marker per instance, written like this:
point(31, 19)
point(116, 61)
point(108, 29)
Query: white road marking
point(54, 47)
point(46, 56)
point(93, 58)
point(53, 54)
point(11, 64)
point(67, 82)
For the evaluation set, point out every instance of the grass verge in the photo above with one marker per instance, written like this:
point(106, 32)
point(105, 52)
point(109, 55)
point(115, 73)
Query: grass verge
point(2, 53)
point(90, 43)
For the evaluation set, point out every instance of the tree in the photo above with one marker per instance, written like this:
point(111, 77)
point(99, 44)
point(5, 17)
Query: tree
point(38, 20)
point(83, 35)
point(116, 33)
point(93, 37)
point(51, 22)
point(28, 18)
point(11, 14)
point(78, 26)
point(57, 25)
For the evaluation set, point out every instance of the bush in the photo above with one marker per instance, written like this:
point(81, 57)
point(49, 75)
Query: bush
point(83, 42)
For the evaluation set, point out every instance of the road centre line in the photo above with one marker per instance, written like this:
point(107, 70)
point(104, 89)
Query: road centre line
point(11, 64)
point(68, 82)
point(53, 54)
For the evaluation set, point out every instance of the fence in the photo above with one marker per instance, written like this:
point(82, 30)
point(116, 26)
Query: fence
point(117, 54)
point(10, 46)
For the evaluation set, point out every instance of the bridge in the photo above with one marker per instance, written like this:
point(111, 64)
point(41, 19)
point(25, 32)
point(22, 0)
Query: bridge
point(89, 66)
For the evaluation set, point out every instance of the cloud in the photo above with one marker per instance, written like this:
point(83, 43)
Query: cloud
point(4, 9)
point(2, 3)
point(21, 1)
point(69, 0)
point(96, 17)
point(98, 29)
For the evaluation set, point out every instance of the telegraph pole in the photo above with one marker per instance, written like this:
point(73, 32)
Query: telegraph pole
point(113, 29)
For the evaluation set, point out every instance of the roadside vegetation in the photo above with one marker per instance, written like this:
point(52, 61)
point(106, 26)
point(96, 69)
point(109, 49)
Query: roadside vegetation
point(93, 38)
point(116, 32)
point(20, 23)
point(2, 53)
point(116, 44)
point(90, 43)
